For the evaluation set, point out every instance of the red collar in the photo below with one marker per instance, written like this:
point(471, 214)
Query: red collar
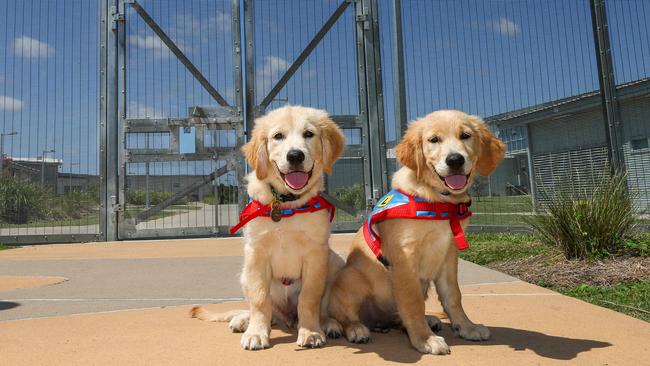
point(257, 209)
point(399, 205)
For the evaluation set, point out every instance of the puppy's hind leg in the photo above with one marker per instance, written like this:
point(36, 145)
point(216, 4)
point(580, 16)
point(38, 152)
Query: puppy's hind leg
point(346, 297)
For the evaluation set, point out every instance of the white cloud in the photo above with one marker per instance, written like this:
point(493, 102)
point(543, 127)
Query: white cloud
point(270, 71)
point(154, 43)
point(28, 47)
point(142, 110)
point(11, 104)
point(214, 25)
point(506, 27)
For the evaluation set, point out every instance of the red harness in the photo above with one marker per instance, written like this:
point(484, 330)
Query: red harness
point(399, 205)
point(257, 209)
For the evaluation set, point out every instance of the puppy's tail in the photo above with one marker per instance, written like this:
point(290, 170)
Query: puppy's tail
point(203, 314)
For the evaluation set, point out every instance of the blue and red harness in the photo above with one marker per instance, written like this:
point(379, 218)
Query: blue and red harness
point(399, 205)
point(257, 209)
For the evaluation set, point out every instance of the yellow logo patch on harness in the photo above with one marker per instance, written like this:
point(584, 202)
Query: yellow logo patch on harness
point(385, 201)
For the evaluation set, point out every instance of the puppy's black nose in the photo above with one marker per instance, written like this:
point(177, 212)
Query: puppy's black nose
point(295, 156)
point(455, 161)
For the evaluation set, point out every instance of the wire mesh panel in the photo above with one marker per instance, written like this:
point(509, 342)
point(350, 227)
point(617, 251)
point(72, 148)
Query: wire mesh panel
point(49, 145)
point(510, 62)
point(629, 30)
point(183, 122)
point(327, 79)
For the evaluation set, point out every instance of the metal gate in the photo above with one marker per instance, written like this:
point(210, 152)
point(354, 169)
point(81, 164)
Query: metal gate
point(182, 175)
point(180, 170)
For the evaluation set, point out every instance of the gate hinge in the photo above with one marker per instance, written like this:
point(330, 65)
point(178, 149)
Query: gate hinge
point(365, 19)
point(116, 17)
point(115, 206)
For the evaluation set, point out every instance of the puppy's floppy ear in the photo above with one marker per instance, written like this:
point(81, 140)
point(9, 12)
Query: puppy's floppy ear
point(256, 153)
point(333, 142)
point(409, 151)
point(492, 150)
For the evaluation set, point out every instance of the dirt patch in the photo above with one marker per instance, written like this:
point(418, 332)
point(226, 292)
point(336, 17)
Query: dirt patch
point(556, 271)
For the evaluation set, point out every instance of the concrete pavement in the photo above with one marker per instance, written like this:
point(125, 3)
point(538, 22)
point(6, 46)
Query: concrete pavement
point(127, 303)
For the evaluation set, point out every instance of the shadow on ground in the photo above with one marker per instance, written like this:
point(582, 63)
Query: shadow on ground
point(395, 346)
point(6, 305)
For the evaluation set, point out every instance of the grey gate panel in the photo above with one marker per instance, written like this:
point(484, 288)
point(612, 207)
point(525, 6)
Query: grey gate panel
point(181, 119)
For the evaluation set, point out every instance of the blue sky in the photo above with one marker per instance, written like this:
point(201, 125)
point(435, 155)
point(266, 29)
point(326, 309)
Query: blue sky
point(485, 57)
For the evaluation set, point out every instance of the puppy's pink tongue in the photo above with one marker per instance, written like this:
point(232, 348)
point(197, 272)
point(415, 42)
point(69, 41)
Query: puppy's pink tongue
point(457, 181)
point(296, 180)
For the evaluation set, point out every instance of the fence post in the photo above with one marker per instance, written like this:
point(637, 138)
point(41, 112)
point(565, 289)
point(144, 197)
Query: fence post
point(109, 130)
point(607, 83)
point(398, 69)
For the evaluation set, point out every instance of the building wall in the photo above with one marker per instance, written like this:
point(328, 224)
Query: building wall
point(571, 132)
point(571, 151)
point(636, 148)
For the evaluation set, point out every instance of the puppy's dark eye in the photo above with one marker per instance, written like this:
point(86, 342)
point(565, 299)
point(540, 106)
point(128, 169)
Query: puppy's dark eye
point(433, 139)
point(278, 136)
point(307, 134)
point(465, 136)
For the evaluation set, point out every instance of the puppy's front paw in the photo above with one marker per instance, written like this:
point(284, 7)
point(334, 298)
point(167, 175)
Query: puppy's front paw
point(357, 333)
point(473, 332)
point(254, 341)
point(434, 323)
point(331, 327)
point(239, 323)
point(434, 345)
point(311, 339)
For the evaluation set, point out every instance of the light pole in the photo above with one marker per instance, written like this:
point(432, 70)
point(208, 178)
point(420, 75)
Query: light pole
point(2, 151)
point(43, 165)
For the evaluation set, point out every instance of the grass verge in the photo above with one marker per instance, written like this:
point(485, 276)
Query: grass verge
point(619, 283)
point(629, 298)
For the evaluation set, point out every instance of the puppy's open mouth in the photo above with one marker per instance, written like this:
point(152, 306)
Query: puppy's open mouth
point(455, 181)
point(296, 180)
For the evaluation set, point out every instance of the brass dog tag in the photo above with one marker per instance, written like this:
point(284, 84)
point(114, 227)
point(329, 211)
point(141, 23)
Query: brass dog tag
point(276, 214)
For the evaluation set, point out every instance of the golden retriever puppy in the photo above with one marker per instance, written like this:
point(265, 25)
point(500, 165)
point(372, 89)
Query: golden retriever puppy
point(287, 261)
point(385, 287)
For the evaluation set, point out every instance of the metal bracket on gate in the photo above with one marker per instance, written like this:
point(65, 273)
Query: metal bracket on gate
point(116, 17)
point(202, 119)
point(115, 206)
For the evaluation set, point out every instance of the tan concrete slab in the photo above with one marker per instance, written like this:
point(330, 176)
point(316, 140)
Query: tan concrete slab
point(528, 329)
point(181, 248)
point(10, 283)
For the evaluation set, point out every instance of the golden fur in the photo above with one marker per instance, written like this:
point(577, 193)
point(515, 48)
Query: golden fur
point(295, 247)
point(367, 294)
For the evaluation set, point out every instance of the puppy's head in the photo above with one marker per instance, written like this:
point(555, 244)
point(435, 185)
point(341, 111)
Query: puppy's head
point(448, 148)
point(293, 146)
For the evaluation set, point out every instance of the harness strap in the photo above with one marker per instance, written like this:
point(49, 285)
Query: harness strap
point(409, 207)
point(257, 209)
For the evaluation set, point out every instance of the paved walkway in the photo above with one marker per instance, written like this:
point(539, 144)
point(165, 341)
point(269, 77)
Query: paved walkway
point(127, 303)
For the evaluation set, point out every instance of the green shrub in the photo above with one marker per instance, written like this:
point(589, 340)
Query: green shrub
point(138, 197)
point(588, 224)
point(76, 203)
point(353, 196)
point(22, 202)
